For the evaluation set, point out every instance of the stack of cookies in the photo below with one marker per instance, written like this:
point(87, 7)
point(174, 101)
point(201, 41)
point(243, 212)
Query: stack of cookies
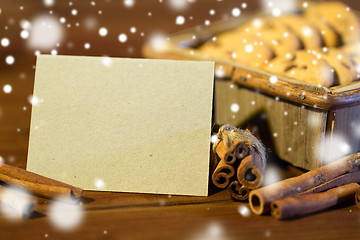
point(319, 46)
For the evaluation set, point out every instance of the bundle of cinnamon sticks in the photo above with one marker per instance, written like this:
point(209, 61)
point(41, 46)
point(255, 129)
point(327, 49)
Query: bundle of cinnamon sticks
point(242, 162)
point(241, 167)
point(313, 191)
point(17, 185)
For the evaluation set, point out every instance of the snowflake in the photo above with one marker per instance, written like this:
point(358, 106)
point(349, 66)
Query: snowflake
point(122, 37)
point(276, 12)
point(129, 3)
point(10, 60)
point(46, 31)
point(236, 12)
point(103, 31)
point(99, 183)
point(244, 211)
point(235, 107)
point(48, 3)
point(273, 79)
point(65, 215)
point(180, 20)
point(5, 42)
point(214, 138)
point(24, 34)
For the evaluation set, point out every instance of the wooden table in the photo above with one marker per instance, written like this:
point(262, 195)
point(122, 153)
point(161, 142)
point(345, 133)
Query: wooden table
point(123, 215)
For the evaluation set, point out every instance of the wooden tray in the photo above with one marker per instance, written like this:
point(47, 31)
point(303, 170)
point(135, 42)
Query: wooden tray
point(298, 118)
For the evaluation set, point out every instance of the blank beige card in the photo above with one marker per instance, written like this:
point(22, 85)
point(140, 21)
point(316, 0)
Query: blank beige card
point(117, 124)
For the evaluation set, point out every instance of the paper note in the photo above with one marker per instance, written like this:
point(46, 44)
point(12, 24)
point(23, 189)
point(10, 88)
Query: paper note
point(118, 124)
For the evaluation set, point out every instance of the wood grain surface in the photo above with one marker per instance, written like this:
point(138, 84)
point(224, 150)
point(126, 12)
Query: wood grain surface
point(109, 215)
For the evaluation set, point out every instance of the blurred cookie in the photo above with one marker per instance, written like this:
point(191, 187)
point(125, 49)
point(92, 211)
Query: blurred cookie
point(249, 49)
point(305, 66)
point(242, 48)
point(352, 48)
point(356, 61)
point(353, 51)
point(343, 65)
point(339, 16)
point(279, 36)
point(308, 33)
point(330, 37)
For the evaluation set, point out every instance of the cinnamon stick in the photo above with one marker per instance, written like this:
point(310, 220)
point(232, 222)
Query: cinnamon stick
point(241, 151)
point(249, 173)
point(357, 199)
point(221, 149)
point(232, 155)
point(310, 203)
point(222, 174)
point(260, 199)
point(36, 183)
point(238, 141)
point(229, 157)
point(237, 191)
point(352, 177)
point(15, 203)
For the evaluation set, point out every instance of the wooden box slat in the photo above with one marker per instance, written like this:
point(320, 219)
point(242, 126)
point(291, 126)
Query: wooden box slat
point(280, 122)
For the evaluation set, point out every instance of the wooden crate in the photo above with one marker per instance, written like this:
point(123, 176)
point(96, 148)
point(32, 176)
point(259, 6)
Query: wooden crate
point(296, 117)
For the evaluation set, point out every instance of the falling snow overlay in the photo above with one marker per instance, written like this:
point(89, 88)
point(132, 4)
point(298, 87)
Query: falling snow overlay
point(333, 148)
point(103, 31)
point(302, 132)
point(244, 211)
point(122, 37)
point(7, 88)
point(99, 184)
point(16, 203)
point(212, 231)
point(5, 42)
point(45, 32)
point(180, 20)
point(65, 215)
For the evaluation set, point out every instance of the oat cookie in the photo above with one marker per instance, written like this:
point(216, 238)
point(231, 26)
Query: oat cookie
point(344, 67)
point(352, 49)
point(276, 34)
point(308, 33)
point(337, 15)
point(330, 37)
point(305, 66)
point(242, 48)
